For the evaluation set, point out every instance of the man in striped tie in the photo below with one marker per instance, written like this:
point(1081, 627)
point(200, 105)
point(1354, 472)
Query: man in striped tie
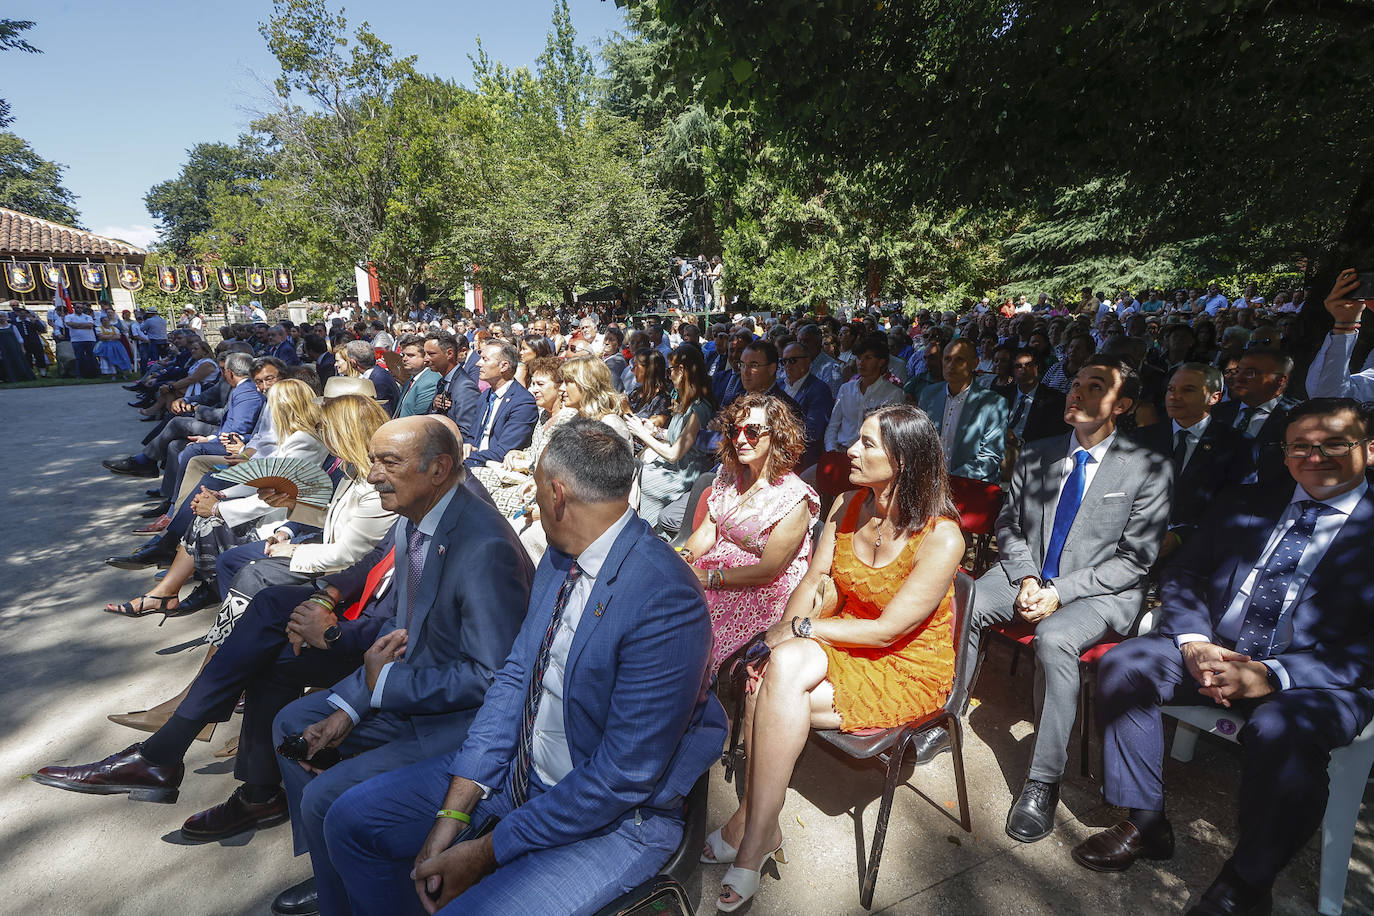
point(1267, 613)
point(589, 740)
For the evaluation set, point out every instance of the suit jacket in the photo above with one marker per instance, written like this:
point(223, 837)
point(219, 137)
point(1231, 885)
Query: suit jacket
point(470, 364)
point(286, 352)
point(1115, 535)
point(1221, 459)
point(325, 367)
point(1333, 632)
point(642, 724)
point(388, 392)
point(466, 404)
point(461, 627)
point(981, 438)
point(1265, 455)
point(617, 364)
point(417, 394)
point(726, 386)
point(241, 411)
point(1045, 417)
point(815, 402)
point(516, 417)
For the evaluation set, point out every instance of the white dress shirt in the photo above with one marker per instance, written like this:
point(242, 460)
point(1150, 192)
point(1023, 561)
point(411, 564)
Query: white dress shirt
point(1328, 526)
point(1257, 417)
point(499, 393)
point(551, 756)
point(1095, 461)
point(1330, 377)
point(949, 423)
point(428, 525)
point(850, 406)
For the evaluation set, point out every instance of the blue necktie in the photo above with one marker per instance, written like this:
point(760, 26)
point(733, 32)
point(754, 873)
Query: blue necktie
point(1064, 513)
point(1271, 585)
point(524, 751)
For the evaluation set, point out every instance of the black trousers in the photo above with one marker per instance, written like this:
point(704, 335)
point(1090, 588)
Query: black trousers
point(257, 658)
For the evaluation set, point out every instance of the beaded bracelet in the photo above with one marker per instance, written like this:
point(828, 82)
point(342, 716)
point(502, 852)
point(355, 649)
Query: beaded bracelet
point(715, 579)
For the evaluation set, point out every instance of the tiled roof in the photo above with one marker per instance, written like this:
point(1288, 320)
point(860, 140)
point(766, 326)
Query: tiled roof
point(21, 234)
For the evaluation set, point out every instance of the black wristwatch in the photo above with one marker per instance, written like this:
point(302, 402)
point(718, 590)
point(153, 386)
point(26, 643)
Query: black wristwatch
point(331, 635)
point(1272, 677)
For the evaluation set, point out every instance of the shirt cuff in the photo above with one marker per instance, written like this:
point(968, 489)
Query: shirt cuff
point(1184, 638)
point(376, 701)
point(1273, 665)
point(339, 702)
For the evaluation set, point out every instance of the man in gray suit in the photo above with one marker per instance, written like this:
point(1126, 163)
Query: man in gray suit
point(1079, 531)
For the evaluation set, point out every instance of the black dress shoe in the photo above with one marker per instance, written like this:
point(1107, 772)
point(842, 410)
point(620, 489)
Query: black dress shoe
point(298, 900)
point(1032, 816)
point(1117, 848)
point(930, 744)
point(161, 509)
point(153, 553)
point(202, 596)
point(234, 817)
point(127, 772)
point(153, 492)
point(1229, 896)
point(131, 468)
point(142, 403)
point(134, 387)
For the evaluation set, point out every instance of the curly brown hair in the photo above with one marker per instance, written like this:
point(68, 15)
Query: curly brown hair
point(551, 366)
point(786, 435)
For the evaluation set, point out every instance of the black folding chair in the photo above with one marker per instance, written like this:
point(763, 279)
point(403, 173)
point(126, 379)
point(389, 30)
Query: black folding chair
point(665, 893)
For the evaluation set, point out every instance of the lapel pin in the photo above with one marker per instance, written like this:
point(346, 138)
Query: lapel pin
point(600, 606)
point(442, 548)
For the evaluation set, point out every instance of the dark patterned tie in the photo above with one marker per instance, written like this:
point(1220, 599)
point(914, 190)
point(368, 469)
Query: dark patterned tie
point(415, 558)
point(520, 768)
point(1021, 404)
point(1243, 421)
point(439, 392)
point(1271, 585)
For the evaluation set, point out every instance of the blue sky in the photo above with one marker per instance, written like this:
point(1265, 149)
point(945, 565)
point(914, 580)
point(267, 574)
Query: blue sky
point(205, 66)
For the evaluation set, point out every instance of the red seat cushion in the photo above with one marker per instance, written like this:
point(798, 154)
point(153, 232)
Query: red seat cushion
point(978, 503)
point(1017, 631)
point(1092, 654)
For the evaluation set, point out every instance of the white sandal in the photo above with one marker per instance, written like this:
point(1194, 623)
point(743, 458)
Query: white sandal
point(745, 881)
point(717, 851)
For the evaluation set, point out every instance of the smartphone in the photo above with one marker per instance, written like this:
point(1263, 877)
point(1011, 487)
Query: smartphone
point(1365, 290)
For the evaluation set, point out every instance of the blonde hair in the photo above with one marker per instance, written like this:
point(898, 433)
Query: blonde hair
point(590, 374)
point(349, 422)
point(292, 403)
point(341, 364)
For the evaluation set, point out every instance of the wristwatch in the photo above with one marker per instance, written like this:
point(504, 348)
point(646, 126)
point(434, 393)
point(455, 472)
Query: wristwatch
point(801, 626)
point(331, 635)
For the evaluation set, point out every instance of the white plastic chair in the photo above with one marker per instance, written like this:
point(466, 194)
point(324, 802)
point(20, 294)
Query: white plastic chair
point(1348, 773)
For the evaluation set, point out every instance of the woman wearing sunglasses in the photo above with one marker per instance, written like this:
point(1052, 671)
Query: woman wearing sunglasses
point(750, 550)
point(874, 652)
point(677, 458)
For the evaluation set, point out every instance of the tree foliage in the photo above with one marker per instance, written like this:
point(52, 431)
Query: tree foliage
point(33, 185)
point(182, 204)
point(11, 39)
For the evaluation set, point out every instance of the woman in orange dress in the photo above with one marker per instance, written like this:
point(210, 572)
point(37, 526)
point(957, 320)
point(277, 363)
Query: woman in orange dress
point(874, 652)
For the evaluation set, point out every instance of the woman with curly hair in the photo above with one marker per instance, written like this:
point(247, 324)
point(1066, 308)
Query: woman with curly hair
point(751, 549)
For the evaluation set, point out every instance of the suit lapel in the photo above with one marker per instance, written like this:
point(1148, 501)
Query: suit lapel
point(434, 564)
point(1254, 532)
point(1048, 477)
point(599, 601)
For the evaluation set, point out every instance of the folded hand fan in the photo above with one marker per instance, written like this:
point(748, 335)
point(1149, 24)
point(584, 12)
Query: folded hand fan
point(309, 483)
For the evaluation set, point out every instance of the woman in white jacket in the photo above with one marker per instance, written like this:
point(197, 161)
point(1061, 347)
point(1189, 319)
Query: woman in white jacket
point(237, 515)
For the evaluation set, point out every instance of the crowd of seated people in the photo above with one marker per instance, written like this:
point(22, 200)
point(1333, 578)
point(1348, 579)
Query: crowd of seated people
point(471, 744)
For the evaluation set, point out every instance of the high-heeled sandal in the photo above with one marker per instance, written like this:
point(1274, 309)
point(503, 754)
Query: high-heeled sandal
point(721, 852)
point(745, 881)
point(127, 608)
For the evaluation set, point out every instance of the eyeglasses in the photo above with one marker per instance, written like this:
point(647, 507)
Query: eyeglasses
point(752, 432)
point(1327, 449)
point(793, 360)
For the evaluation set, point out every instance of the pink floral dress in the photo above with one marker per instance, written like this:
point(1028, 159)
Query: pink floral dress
point(743, 524)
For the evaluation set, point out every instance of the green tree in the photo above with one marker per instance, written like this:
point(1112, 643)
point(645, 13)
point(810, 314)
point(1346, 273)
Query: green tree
point(33, 185)
point(182, 204)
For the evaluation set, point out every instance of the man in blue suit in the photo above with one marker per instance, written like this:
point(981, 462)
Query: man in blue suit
point(456, 394)
point(418, 391)
point(510, 414)
point(280, 346)
point(362, 359)
point(813, 398)
point(424, 677)
point(972, 421)
point(595, 730)
point(1266, 612)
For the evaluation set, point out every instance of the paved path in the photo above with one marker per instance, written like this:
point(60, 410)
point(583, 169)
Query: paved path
point(64, 665)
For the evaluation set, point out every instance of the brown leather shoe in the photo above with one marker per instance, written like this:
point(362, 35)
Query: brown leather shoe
point(1117, 848)
point(234, 817)
point(125, 772)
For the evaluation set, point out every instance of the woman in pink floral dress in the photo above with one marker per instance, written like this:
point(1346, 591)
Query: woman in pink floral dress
point(752, 547)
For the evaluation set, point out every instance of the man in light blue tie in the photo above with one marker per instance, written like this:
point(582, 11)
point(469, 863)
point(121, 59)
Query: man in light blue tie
point(1077, 535)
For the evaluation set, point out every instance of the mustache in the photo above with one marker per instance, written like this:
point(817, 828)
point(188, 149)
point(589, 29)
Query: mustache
point(384, 488)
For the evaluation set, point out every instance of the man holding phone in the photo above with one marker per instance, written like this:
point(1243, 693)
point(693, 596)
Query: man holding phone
point(1330, 376)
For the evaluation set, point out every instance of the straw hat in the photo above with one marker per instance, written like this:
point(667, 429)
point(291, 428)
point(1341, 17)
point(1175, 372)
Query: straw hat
point(339, 385)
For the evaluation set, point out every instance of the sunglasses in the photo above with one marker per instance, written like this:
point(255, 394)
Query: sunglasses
point(752, 432)
point(793, 360)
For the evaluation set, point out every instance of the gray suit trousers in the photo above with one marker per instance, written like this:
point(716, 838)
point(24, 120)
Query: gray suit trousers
point(1059, 639)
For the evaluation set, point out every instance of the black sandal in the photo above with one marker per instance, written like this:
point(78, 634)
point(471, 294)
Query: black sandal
point(127, 608)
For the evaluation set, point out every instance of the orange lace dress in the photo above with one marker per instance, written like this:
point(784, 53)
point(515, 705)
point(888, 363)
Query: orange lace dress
point(882, 688)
